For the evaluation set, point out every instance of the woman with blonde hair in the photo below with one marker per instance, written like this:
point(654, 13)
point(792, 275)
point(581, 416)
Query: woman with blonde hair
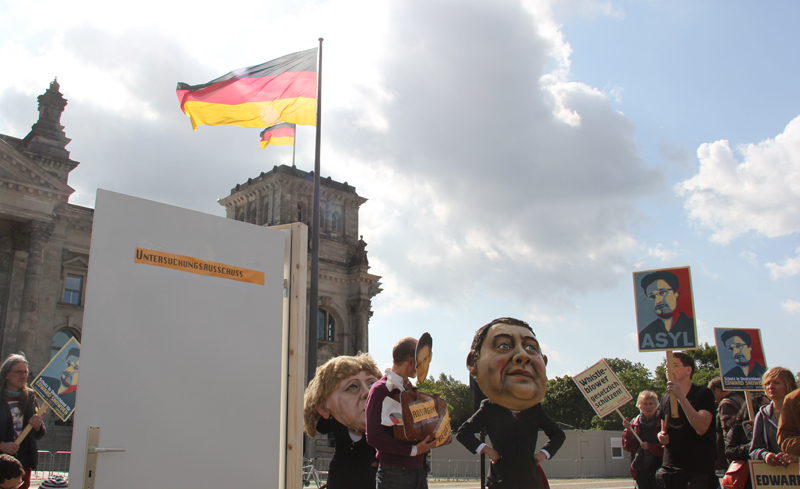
point(17, 410)
point(777, 382)
point(645, 457)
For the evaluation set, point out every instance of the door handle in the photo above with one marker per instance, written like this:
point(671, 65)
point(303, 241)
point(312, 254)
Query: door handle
point(101, 450)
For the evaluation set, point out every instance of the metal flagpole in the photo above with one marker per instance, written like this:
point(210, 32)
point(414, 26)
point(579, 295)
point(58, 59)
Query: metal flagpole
point(294, 144)
point(311, 365)
point(314, 292)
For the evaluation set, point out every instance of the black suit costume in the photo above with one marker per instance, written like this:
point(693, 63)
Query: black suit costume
point(514, 438)
point(351, 465)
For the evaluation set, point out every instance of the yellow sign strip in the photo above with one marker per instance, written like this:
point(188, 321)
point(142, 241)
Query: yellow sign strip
point(420, 411)
point(197, 266)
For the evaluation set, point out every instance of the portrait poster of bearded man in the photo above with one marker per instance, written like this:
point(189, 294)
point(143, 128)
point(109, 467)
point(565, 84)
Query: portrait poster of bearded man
point(665, 310)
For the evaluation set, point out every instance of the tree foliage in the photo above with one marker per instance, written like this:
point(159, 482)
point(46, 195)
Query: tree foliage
point(564, 403)
point(454, 392)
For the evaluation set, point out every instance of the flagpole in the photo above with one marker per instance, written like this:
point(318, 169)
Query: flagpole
point(294, 144)
point(313, 295)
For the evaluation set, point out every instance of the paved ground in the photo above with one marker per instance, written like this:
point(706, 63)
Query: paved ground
point(554, 484)
point(474, 484)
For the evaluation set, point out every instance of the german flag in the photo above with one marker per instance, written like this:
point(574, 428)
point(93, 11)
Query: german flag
point(279, 134)
point(281, 90)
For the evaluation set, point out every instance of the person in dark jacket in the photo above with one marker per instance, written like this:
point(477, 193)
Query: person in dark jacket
point(507, 362)
point(647, 426)
point(17, 410)
point(740, 434)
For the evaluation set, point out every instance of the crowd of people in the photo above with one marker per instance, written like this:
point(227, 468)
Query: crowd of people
point(713, 435)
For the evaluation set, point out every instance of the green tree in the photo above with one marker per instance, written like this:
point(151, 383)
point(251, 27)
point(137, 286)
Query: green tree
point(454, 392)
point(564, 403)
point(636, 378)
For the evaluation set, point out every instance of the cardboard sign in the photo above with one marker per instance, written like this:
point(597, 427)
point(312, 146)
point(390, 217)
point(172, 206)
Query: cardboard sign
point(741, 358)
point(665, 310)
point(601, 387)
point(763, 475)
point(57, 383)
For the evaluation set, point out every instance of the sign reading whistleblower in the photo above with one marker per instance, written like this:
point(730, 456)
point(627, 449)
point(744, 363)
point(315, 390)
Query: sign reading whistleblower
point(763, 475)
point(57, 384)
point(601, 387)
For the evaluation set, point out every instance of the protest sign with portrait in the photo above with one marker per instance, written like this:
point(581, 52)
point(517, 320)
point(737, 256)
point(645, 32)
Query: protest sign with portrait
point(57, 383)
point(741, 358)
point(665, 310)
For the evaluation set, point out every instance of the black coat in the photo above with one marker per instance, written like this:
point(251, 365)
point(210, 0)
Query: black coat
point(515, 440)
point(28, 453)
point(351, 465)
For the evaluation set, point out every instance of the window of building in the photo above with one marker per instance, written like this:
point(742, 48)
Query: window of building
point(59, 340)
point(616, 447)
point(326, 325)
point(335, 222)
point(299, 212)
point(73, 284)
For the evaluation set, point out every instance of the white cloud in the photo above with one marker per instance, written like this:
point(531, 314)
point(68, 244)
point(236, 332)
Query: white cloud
point(790, 267)
point(749, 256)
point(661, 253)
point(761, 193)
point(790, 306)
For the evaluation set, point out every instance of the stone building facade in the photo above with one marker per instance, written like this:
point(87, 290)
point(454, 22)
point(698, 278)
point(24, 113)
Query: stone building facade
point(44, 248)
point(284, 195)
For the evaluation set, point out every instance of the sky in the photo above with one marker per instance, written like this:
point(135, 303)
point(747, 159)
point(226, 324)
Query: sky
point(520, 158)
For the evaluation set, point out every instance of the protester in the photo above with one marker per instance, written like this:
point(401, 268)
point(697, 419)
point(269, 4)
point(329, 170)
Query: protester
point(17, 410)
point(789, 425)
point(737, 444)
point(689, 439)
point(400, 464)
point(777, 382)
point(728, 404)
point(647, 426)
point(334, 403)
point(11, 472)
point(507, 362)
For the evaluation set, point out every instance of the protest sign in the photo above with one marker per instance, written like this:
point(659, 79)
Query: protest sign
point(741, 358)
point(601, 387)
point(665, 310)
point(763, 475)
point(57, 383)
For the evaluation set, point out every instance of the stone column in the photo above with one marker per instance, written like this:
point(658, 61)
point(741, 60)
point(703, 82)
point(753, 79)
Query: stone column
point(360, 311)
point(36, 233)
point(246, 210)
point(259, 213)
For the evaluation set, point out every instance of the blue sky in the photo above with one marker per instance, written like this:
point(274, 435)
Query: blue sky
point(520, 158)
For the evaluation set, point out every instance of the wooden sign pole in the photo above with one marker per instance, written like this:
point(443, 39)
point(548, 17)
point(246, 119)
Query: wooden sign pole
point(28, 428)
point(748, 398)
point(673, 403)
point(632, 431)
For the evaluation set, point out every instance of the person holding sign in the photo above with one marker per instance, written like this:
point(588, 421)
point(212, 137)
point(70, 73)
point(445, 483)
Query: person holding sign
point(777, 382)
point(400, 464)
point(689, 440)
point(334, 403)
point(18, 409)
point(507, 362)
point(647, 426)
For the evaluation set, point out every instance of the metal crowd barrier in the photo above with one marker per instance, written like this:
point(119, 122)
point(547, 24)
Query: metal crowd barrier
point(52, 463)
